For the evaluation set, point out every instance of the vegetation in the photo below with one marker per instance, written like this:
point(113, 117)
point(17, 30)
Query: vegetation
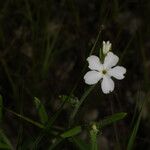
point(44, 101)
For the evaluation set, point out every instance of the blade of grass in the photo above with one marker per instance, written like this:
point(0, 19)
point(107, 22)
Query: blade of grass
point(6, 140)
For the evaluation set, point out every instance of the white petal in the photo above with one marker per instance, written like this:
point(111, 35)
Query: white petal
point(107, 85)
point(94, 62)
point(117, 72)
point(92, 77)
point(110, 60)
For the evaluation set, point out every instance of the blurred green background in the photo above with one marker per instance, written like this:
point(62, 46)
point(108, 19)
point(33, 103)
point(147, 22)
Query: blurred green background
point(43, 51)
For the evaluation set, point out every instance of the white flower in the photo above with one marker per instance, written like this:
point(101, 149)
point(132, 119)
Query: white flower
point(104, 71)
point(106, 47)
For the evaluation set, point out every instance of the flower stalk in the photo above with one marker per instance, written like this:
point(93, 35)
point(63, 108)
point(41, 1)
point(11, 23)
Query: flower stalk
point(93, 135)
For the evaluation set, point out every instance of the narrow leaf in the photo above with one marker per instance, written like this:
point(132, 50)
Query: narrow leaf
point(71, 132)
point(111, 119)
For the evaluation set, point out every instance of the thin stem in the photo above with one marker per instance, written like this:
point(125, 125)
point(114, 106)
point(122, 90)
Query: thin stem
point(84, 96)
point(93, 137)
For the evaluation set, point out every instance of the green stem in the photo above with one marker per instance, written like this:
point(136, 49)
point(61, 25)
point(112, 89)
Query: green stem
point(94, 142)
point(84, 96)
point(93, 136)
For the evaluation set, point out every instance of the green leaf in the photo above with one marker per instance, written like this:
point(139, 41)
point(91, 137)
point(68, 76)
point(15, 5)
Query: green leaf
point(1, 109)
point(111, 119)
point(41, 110)
point(71, 132)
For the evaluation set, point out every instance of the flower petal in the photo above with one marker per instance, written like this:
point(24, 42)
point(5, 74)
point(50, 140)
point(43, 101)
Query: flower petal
point(92, 77)
point(110, 60)
point(117, 72)
point(94, 62)
point(107, 85)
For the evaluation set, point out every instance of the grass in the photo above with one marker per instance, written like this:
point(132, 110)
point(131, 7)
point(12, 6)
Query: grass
point(43, 51)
